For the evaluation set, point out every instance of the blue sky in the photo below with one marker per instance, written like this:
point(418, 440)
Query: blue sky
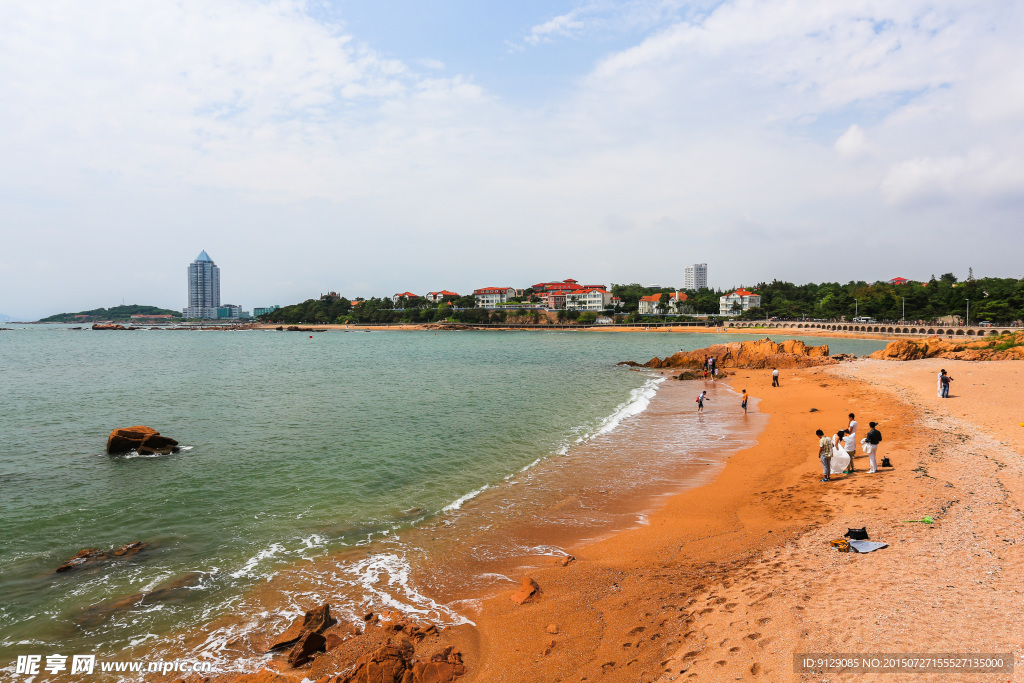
point(419, 146)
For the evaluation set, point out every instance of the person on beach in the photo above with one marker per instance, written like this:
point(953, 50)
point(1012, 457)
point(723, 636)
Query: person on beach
point(944, 381)
point(850, 446)
point(852, 429)
point(938, 384)
point(824, 454)
point(700, 401)
point(840, 463)
point(743, 403)
point(871, 441)
point(775, 377)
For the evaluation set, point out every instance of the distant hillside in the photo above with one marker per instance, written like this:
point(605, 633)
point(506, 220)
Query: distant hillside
point(5, 318)
point(114, 313)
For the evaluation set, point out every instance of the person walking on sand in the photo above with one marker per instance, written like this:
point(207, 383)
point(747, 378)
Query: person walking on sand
point(775, 377)
point(743, 403)
point(871, 441)
point(938, 383)
point(944, 381)
point(700, 401)
point(824, 454)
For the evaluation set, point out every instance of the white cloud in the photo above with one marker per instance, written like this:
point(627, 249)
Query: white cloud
point(853, 144)
point(259, 133)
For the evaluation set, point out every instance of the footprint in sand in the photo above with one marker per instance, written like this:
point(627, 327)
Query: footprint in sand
point(752, 636)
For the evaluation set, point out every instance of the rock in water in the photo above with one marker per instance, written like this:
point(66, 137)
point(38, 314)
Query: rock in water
point(144, 440)
point(309, 644)
point(315, 621)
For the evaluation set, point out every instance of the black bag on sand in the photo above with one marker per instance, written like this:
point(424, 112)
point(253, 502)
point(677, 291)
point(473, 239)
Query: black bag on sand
point(857, 534)
point(886, 463)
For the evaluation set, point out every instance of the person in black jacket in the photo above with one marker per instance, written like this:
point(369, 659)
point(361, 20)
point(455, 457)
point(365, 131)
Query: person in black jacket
point(871, 441)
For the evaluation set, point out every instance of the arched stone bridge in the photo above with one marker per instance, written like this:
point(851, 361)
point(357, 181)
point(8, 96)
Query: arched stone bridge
point(877, 328)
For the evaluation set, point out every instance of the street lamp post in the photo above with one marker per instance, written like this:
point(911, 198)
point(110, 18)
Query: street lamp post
point(903, 318)
point(968, 312)
point(856, 308)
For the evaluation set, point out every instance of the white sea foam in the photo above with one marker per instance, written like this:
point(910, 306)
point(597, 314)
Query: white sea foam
point(249, 567)
point(385, 578)
point(639, 400)
point(458, 503)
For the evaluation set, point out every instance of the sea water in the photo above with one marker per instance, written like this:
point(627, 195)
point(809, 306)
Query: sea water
point(296, 447)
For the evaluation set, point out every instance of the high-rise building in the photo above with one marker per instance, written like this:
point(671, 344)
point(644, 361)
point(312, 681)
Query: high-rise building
point(203, 288)
point(695, 276)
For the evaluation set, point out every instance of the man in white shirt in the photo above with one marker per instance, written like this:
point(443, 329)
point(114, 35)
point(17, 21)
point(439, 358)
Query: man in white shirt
point(850, 441)
point(775, 377)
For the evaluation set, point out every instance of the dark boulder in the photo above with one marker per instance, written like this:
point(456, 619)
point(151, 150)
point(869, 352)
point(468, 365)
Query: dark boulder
point(141, 439)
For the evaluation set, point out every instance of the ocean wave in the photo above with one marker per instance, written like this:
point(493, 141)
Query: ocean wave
point(458, 502)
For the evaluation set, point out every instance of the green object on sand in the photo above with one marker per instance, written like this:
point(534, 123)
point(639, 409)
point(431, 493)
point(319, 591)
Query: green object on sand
point(924, 520)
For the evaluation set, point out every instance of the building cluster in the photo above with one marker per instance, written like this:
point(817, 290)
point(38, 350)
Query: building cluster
point(569, 294)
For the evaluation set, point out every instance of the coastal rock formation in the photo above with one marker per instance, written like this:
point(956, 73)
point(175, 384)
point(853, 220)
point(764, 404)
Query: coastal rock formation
point(309, 644)
point(527, 592)
point(89, 556)
point(759, 354)
point(1003, 347)
point(141, 439)
point(114, 326)
point(315, 621)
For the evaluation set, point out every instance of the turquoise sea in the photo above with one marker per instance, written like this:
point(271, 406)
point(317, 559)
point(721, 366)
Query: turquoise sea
point(294, 448)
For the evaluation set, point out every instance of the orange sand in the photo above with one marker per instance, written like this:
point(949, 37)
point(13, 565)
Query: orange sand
point(727, 581)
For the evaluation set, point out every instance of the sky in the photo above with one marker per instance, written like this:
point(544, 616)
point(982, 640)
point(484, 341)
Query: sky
point(420, 145)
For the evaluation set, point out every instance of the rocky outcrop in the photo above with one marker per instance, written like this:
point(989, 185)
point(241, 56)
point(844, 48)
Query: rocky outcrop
point(141, 439)
point(90, 556)
point(528, 592)
point(99, 326)
point(1003, 347)
point(760, 354)
point(315, 621)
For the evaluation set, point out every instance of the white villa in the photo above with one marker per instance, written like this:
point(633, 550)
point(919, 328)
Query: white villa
point(648, 305)
point(746, 300)
point(489, 297)
point(592, 299)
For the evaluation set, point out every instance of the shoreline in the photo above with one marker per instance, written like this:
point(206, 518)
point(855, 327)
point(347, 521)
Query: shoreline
point(679, 329)
point(730, 578)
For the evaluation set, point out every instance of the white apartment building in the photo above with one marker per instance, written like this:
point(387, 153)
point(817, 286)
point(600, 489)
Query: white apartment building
point(489, 297)
point(746, 300)
point(695, 276)
point(593, 299)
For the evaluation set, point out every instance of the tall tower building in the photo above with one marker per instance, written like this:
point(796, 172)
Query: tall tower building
point(695, 276)
point(203, 288)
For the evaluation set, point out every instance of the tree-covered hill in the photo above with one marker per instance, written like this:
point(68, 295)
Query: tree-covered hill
point(120, 313)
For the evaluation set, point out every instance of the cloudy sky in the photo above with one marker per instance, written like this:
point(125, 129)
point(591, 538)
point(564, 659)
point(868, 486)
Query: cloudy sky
point(417, 145)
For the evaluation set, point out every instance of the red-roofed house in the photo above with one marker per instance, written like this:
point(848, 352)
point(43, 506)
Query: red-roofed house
point(588, 299)
point(489, 297)
point(438, 297)
point(648, 305)
point(569, 285)
point(404, 296)
point(898, 281)
point(745, 299)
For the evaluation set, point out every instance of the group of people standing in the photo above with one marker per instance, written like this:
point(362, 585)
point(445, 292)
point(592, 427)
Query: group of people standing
point(710, 367)
point(838, 451)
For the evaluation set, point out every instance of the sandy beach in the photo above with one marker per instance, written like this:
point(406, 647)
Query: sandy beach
point(727, 581)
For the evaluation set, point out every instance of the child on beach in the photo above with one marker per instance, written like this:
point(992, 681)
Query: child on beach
point(700, 401)
point(824, 454)
point(743, 403)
